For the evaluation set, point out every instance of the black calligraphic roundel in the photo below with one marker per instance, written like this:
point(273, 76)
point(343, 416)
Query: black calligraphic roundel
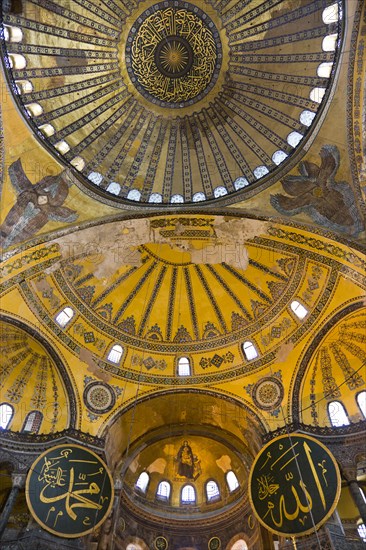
point(69, 491)
point(294, 485)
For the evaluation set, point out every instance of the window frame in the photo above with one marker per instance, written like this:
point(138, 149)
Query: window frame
point(189, 364)
point(363, 413)
point(5, 403)
point(228, 484)
point(139, 489)
point(344, 410)
point(70, 318)
point(113, 350)
point(163, 498)
point(253, 345)
point(217, 496)
point(188, 502)
point(38, 416)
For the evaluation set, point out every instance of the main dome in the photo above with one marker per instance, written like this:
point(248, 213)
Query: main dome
point(173, 102)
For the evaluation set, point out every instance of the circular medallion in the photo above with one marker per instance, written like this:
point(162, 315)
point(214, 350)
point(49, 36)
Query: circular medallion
point(69, 491)
point(99, 397)
point(267, 394)
point(294, 485)
point(160, 543)
point(214, 543)
point(174, 54)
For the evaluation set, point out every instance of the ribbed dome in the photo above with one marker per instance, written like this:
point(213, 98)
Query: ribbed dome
point(173, 102)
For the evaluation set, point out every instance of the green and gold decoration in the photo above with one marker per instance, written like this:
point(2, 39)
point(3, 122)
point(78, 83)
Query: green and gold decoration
point(214, 543)
point(69, 491)
point(160, 543)
point(294, 485)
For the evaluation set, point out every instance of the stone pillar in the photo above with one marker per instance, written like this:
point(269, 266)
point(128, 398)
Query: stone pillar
point(18, 482)
point(358, 499)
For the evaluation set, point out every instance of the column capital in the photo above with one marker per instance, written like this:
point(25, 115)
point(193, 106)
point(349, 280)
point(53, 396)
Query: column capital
point(18, 480)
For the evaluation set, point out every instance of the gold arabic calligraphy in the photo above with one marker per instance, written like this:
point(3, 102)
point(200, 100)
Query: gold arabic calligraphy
point(53, 476)
point(173, 55)
point(269, 486)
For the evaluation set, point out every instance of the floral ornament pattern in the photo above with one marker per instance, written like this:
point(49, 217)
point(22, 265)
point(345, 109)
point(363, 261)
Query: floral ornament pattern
point(316, 193)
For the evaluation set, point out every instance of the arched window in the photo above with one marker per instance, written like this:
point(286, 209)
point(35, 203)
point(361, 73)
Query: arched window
point(307, 117)
point(188, 495)
point(6, 415)
point(330, 14)
point(299, 310)
point(163, 490)
point(241, 182)
point(232, 481)
point(95, 177)
point(329, 43)
point(239, 545)
point(78, 163)
point(279, 156)
point(184, 367)
point(24, 86)
point(317, 94)
point(197, 197)
point(362, 531)
point(249, 351)
point(62, 147)
point(176, 198)
point(260, 171)
point(115, 354)
point(337, 414)
point(155, 197)
point(361, 402)
point(114, 188)
point(17, 61)
point(324, 69)
point(47, 129)
point(134, 195)
point(294, 138)
point(64, 317)
point(34, 109)
point(143, 482)
point(220, 191)
point(33, 422)
point(212, 490)
point(13, 34)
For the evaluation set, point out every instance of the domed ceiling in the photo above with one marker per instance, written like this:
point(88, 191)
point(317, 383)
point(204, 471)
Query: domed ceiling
point(173, 102)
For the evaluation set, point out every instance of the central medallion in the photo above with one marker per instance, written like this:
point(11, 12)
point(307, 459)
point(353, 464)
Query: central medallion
point(174, 54)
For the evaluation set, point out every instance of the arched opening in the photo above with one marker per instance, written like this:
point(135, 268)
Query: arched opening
point(337, 414)
point(143, 482)
point(6, 415)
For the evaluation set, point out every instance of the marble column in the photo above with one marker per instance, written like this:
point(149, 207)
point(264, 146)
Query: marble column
point(17, 483)
point(358, 498)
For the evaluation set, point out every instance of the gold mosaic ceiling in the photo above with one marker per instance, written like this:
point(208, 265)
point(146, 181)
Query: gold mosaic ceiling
point(172, 102)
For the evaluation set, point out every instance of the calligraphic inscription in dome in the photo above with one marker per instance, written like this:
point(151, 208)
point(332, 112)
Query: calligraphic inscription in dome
point(173, 54)
point(69, 490)
point(294, 485)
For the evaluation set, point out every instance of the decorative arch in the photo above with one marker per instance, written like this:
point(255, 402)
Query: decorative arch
point(57, 361)
point(352, 308)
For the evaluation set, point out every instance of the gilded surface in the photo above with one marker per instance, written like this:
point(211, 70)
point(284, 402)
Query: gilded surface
point(173, 54)
point(69, 490)
point(294, 485)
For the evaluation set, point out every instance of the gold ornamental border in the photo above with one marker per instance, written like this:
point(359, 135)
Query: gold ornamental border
point(336, 499)
point(171, 112)
point(46, 527)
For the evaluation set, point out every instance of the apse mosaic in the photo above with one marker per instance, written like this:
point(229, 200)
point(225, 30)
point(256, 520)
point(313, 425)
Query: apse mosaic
point(172, 102)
